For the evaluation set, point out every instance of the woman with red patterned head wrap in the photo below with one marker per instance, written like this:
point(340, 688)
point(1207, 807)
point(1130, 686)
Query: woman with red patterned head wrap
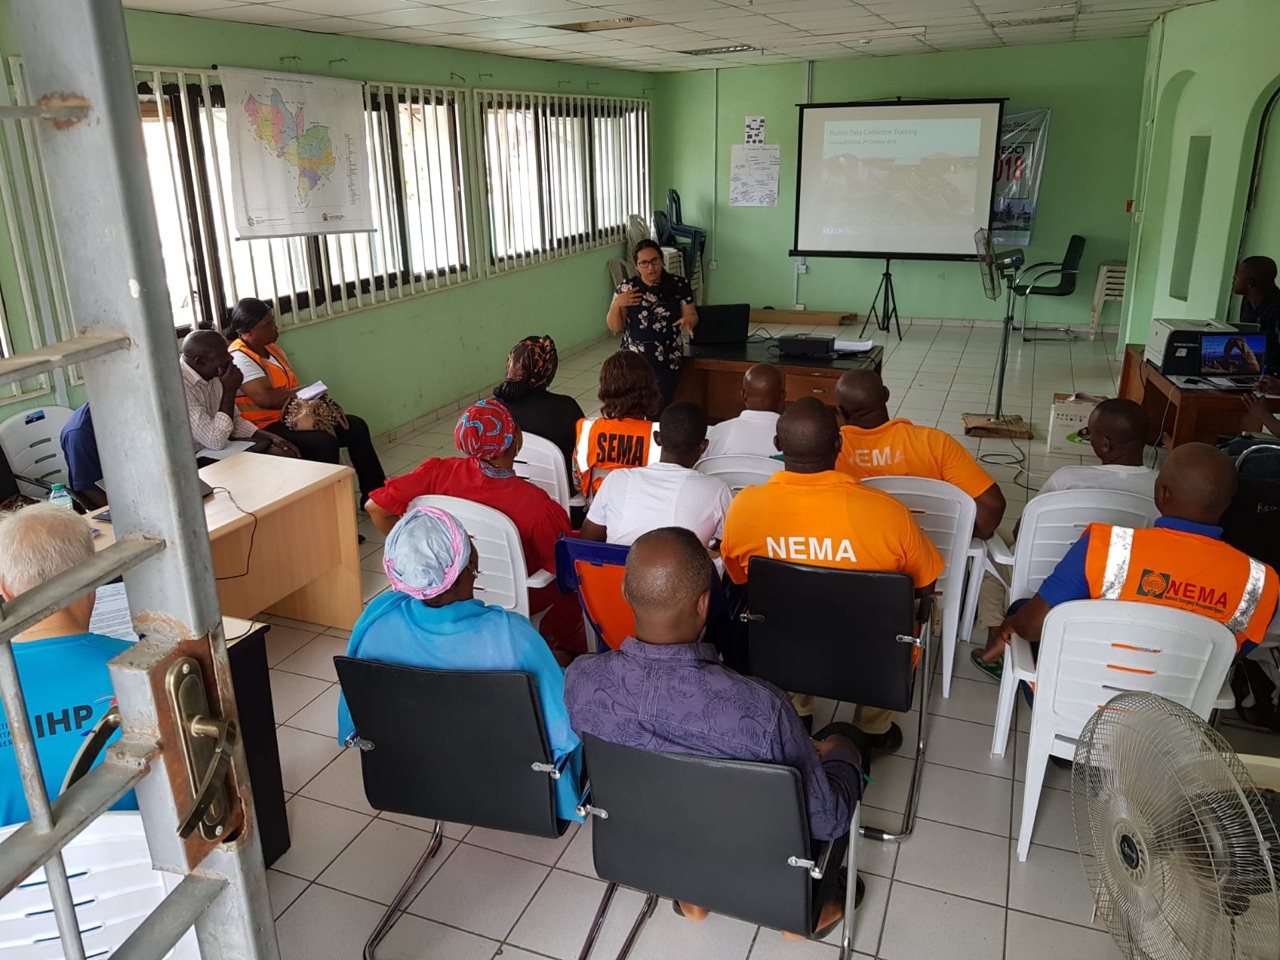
point(487, 436)
point(531, 367)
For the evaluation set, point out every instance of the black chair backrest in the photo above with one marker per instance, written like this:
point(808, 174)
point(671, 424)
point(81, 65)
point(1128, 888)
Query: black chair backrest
point(832, 633)
point(1252, 522)
point(452, 745)
point(714, 833)
point(1070, 271)
point(8, 484)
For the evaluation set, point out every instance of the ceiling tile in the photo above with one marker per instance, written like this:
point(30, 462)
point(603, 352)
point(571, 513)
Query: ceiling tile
point(341, 8)
point(266, 14)
point(511, 8)
point(415, 16)
point(339, 25)
point(179, 6)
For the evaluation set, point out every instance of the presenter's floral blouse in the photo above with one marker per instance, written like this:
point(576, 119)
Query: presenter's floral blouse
point(651, 324)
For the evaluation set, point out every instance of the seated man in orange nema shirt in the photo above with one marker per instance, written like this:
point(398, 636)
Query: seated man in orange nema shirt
point(809, 513)
point(875, 446)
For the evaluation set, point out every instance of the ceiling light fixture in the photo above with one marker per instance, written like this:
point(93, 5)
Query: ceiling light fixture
point(863, 36)
point(712, 51)
point(596, 26)
point(1034, 21)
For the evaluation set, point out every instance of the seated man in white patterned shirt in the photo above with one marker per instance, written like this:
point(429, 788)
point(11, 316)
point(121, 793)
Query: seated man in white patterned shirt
point(210, 380)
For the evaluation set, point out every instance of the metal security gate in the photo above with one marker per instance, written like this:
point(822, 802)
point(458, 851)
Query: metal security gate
point(173, 688)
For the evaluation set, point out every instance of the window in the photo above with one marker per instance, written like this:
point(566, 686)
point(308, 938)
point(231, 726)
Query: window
point(416, 182)
point(563, 173)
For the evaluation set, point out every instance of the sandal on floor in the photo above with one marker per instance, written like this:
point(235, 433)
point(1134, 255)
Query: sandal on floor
point(994, 670)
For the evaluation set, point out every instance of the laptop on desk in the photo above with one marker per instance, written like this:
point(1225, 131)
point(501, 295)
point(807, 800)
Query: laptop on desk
point(1230, 361)
point(721, 325)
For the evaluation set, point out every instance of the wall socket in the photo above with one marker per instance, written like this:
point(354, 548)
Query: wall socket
point(801, 267)
point(798, 306)
point(712, 265)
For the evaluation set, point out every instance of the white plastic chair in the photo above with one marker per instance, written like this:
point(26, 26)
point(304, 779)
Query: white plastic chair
point(31, 443)
point(504, 580)
point(1051, 523)
point(946, 514)
point(542, 464)
point(739, 470)
point(1090, 650)
point(114, 888)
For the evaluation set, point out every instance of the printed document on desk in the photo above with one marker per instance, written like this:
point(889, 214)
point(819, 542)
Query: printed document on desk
point(233, 447)
point(111, 613)
point(853, 346)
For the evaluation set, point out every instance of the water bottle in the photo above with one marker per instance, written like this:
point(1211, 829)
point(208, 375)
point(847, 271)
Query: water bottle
point(60, 496)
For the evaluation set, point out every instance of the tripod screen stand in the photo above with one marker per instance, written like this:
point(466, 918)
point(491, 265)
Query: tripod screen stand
point(884, 305)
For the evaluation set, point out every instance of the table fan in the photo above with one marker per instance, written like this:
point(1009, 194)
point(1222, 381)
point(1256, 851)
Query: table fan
point(1178, 844)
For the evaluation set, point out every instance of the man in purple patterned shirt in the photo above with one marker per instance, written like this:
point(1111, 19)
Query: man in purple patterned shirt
point(664, 691)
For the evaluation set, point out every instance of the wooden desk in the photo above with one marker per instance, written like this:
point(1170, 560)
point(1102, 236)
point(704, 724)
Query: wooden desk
point(712, 376)
point(1177, 416)
point(283, 539)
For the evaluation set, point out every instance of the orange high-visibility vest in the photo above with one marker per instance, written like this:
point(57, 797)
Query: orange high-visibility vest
point(281, 376)
point(603, 445)
point(1184, 570)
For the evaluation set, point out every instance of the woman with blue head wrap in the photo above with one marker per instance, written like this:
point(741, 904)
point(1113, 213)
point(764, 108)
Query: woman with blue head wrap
point(430, 618)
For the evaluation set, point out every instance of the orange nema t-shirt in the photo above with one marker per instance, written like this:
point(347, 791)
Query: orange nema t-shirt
point(604, 444)
point(826, 519)
point(901, 448)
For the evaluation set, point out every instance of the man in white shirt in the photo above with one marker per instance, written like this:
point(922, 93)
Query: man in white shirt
point(210, 380)
point(1118, 434)
point(669, 493)
point(752, 431)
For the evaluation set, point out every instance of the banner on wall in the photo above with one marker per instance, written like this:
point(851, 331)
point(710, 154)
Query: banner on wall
point(299, 164)
point(1018, 164)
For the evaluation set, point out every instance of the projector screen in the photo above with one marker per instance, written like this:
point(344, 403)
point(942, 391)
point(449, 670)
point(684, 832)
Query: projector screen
point(895, 180)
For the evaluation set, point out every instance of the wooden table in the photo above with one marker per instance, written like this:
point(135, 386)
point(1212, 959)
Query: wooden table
point(712, 376)
point(1177, 415)
point(283, 538)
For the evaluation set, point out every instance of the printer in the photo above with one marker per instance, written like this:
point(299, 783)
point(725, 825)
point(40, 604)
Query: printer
point(1173, 346)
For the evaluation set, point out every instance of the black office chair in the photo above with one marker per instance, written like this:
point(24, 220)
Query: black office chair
point(1032, 281)
point(729, 836)
point(845, 635)
point(452, 746)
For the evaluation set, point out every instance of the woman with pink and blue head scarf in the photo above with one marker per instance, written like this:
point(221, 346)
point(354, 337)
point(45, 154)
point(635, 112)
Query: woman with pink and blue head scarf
point(487, 436)
point(430, 618)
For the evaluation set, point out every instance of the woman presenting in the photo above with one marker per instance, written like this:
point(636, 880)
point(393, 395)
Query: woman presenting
point(650, 311)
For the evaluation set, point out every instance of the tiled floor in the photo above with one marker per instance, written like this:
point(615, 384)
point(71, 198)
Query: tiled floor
point(954, 890)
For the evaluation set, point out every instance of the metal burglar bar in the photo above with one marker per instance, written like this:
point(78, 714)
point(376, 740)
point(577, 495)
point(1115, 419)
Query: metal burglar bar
point(76, 54)
point(414, 139)
point(562, 173)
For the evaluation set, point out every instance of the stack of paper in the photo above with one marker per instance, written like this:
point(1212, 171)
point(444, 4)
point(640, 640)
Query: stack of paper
point(853, 346)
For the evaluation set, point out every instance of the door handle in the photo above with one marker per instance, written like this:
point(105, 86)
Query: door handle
point(207, 743)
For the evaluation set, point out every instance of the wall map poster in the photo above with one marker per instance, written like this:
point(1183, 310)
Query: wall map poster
point(299, 163)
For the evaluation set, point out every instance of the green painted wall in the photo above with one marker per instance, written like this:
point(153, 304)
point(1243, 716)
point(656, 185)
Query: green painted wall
point(393, 362)
point(1094, 90)
point(1212, 70)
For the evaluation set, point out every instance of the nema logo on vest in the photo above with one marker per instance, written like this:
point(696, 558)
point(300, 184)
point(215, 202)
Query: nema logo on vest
point(1153, 584)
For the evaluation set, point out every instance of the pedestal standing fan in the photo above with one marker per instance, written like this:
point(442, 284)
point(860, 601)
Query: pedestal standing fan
point(1180, 847)
point(997, 269)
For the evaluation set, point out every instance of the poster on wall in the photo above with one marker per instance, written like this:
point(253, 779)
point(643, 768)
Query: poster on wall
point(1018, 164)
point(299, 164)
point(753, 175)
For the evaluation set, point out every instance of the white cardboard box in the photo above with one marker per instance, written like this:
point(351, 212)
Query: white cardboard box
point(1068, 417)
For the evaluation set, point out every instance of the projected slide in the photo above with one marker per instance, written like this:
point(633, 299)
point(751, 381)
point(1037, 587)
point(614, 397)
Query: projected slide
point(910, 180)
